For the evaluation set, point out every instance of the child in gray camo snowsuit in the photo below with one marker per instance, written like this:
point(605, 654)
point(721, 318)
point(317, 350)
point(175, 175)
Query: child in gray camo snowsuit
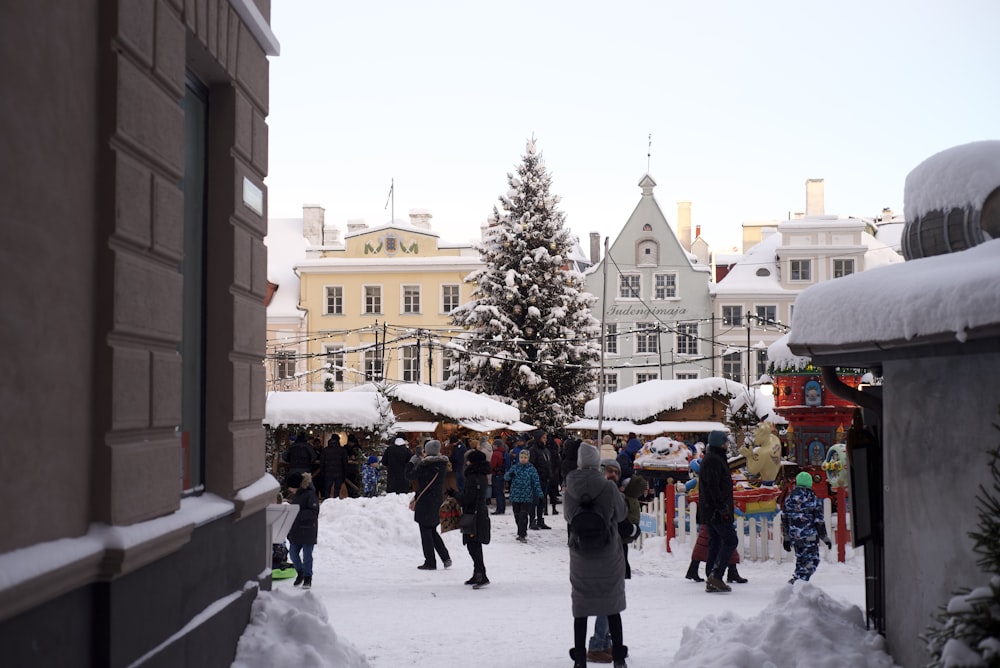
point(802, 527)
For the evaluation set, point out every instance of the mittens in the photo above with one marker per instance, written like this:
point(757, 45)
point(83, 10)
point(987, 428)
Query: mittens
point(829, 545)
point(787, 545)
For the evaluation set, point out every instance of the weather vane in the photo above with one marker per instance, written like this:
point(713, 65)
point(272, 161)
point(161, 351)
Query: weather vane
point(649, 152)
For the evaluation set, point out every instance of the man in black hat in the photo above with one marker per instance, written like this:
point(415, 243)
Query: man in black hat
point(715, 489)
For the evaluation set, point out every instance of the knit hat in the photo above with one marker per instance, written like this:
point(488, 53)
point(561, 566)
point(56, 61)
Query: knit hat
point(588, 457)
point(400, 441)
point(294, 480)
point(432, 447)
point(525, 454)
point(804, 479)
point(372, 459)
point(606, 440)
point(717, 439)
point(611, 463)
point(476, 457)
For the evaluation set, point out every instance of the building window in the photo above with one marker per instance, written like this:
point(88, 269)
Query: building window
point(686, 375)
point(448, 358)
point(411, 364)
point(665, 286)
point(373, 365)
point(193, 271)
point(335, 360)
point(761, 363)
point(610, 383)
point(800, 270)
point(334, 300)
point(611, 338)
point(373, 299)
point(647, 338)
point(732, 316)
point(628, 286)
point(647, 253)
point(449, 298)
point(411, 299)
point(843, 268)
point(732, 367)
point(285, 367)
point(766, 315)
point(687, 338)
point(643, 377)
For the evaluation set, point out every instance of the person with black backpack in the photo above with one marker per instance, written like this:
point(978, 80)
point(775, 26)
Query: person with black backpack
point(593, 507)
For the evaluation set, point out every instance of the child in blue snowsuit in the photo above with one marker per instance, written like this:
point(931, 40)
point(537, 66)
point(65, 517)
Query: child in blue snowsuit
point(802, 527)
point(369, 476)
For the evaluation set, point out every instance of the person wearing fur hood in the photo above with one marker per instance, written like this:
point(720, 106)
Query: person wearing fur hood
point(597, 577)
point(428, 470)
point(305, 527)
point(474, 503)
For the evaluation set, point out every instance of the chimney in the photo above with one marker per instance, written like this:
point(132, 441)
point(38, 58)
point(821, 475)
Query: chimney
point(420, 218)
point(595, 247)
point(313, 216)
point(331, 234)
point(697, 231)
point(814, 197)
point(886, 215)
point(684, 224)
point(356, 225)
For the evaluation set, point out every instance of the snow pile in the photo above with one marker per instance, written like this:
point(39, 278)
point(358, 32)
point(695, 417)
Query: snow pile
point(647, 399)
point(958, 177)
point(801, 626)
point(290, 628)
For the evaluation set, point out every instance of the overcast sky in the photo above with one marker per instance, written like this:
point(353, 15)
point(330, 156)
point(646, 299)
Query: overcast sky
point(744, 101)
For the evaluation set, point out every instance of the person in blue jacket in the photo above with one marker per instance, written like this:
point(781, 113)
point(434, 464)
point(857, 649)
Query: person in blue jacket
point(803, 527)
point(525, 491)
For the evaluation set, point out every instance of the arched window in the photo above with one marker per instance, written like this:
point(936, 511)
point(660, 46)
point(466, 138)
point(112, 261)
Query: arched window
point(647, 252)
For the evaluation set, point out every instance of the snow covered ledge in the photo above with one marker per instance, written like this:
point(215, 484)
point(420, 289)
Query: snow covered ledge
point(42, 572)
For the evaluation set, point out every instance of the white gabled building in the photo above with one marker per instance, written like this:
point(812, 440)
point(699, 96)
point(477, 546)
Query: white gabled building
point(655, 300)
point(753, 304)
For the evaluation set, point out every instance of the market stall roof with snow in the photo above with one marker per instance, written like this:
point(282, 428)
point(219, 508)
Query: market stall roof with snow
point(366, 411)
point(424, 408)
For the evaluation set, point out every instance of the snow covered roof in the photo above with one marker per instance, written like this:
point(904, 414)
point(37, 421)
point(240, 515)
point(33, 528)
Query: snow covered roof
point(285, 247)
point(645, 400)
point(355, 411)
point(891, 234)
point(397, 224)
point(454, 404)
point(622, 427)
point(757, 271)
point(939, 298)
point(782, 357)
point(958, 177)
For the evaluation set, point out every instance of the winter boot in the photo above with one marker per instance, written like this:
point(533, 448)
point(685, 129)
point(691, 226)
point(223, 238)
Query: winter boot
point(619, 654)
point(307, 583)
point(543, 525)
point(474, 579)
point(692, 573)
point(298, 578)
point(483, 581)
point(554, 511)
point(733, 575)
point(533, 526)
point(714, 584)
point(578, 661)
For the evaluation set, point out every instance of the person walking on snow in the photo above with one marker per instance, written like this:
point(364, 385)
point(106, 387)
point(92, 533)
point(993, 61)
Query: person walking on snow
point(803, 527)
point(428, 470)
point(474, 504)
point(525, 490)
point(305, 527)
point(715, 486)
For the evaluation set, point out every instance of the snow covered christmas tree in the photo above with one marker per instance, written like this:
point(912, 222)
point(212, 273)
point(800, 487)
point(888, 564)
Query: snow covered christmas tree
point(530, 337)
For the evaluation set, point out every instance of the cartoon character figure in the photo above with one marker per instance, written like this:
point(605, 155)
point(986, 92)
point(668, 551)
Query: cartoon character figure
point(836, 465)
point(764, 459)
point(813, 393)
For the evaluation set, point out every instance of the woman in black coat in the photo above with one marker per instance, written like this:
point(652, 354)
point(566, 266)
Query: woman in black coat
point(474, 504)
point(429, 470)
point(305, 528)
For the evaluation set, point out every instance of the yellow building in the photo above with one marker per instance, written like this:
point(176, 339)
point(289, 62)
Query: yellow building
point(377, 303)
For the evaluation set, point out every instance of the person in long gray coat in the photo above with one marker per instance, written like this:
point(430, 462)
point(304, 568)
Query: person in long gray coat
point(597, 576)
point(429, 471)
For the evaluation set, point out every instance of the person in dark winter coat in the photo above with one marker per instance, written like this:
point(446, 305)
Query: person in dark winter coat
point(305, 527)
point(525, 490)
point(597, 576)
point(333, 464)
point(715, 491)
point(428, 470)
point(394, 462)
point(541, 459)
point(498, 468)
point(458, 452)
point(474, 503)
point(299, 456)
point(803, 527)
